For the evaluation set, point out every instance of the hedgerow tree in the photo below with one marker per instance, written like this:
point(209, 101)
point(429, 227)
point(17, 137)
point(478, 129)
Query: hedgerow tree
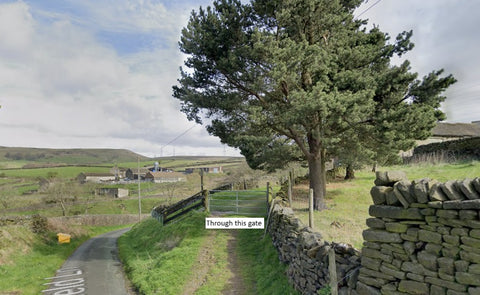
point(291, 80)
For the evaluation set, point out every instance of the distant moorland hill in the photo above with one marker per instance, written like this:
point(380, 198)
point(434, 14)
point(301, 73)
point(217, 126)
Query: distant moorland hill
point(68, 156)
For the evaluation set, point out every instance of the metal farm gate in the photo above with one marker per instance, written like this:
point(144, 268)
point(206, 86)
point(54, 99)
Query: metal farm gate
point(252, 203)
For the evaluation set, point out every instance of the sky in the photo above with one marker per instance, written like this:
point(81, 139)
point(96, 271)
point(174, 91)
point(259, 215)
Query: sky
point(99, 73)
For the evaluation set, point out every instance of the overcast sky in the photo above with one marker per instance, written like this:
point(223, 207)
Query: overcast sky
point(99, 73)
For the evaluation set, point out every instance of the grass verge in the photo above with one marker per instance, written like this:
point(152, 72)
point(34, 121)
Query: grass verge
point(37, 256)
point(186, 258)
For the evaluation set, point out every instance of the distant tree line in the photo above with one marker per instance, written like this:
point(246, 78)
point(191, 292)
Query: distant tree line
point(25, 156)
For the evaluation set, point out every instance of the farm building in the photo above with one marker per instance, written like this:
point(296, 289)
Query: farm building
point(112, 192)
point(161, 177)
point(133, 173)
point(95, 177)
point(447, 132)
point(217, 169)
point(452, 131)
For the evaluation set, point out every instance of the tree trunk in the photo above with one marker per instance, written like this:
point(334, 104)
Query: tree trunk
point(350, 172)
point(316, 169)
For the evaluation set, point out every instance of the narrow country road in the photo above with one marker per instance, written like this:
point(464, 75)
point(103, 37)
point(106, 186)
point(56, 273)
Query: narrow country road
point(94, 268)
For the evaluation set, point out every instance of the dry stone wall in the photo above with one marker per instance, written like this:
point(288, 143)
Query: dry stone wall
point(306, 253)
point(423, 237)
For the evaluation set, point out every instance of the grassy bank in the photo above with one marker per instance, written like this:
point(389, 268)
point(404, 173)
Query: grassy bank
point(185, 258)
point(26, 258)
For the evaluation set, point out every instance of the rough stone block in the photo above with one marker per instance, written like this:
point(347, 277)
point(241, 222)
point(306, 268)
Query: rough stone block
point(363, 289)
point(375, 274)
point(472, 242)
point(406, 190)
point(437, 290)
point(409, 247)
point(470, 256)
point(434, 249)
point(389, 178)
point(396, 227)
point(375, 223)
point(474, 269)
point(415, 268)
point(375, 254)
point(373, 235)
point(379, 194)
point(467, 214)
point(468, 278)
point(391, 199)
point(391, 272)
point(452, 252)
point(468, 188)
point(475, 233)
point(371, 263)
point(473, 291)
point(447, 265)
point(420, 190)
point(370, 281)
point(413, 287)
point(446, 284)
point(452, 222)
point(447, 213)
point(461, 265)
point(458, 231)
point(450, 189)
point(415, 277)
point(395, 212)
point(428, 260)
point(436, 193)
point(452, 240)
point(476, 184)
point(473, 223)
point(429, 236)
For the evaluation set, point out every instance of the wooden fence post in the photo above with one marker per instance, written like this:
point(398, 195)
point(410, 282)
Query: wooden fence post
point(290, 185)
point(268, 195)
point(310, 209)
point(207, 201)
point(332, 269)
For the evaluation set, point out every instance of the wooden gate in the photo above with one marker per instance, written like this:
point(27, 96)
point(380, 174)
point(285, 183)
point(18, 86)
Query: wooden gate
point(251, 203)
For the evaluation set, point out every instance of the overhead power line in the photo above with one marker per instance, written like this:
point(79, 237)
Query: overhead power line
point(367, 9)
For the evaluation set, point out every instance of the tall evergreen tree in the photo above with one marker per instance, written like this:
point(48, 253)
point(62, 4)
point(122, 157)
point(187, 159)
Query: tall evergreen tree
point(287, 80)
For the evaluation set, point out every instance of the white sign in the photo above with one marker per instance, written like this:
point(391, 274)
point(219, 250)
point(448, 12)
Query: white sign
point(234, 223)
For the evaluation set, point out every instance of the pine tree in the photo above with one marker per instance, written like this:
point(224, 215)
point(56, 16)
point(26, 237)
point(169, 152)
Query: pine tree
point(298, 80)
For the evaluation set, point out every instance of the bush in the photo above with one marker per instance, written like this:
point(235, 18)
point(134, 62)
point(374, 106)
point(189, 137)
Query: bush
point(39, 224)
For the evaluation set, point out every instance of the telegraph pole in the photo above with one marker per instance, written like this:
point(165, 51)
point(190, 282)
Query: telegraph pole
point(139, 202)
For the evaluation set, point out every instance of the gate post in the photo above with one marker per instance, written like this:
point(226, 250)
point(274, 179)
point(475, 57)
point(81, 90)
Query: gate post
point(236, 194)
point(268, 195)
point(207, 200)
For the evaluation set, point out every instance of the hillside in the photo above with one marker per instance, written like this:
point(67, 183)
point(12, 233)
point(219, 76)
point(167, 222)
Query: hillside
point(68, 156)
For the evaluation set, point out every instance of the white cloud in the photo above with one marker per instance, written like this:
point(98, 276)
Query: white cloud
point(62, 87)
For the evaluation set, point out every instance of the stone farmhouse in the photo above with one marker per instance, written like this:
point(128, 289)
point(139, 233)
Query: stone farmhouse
point(447, 132)
point(96, 177)
point(162, 177)
point(452, 131)
point(216, 169)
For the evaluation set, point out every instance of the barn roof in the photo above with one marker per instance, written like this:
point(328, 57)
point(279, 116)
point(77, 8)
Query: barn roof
point(456, 130)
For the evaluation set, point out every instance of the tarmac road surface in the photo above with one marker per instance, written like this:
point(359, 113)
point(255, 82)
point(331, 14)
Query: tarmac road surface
point(94, 268)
